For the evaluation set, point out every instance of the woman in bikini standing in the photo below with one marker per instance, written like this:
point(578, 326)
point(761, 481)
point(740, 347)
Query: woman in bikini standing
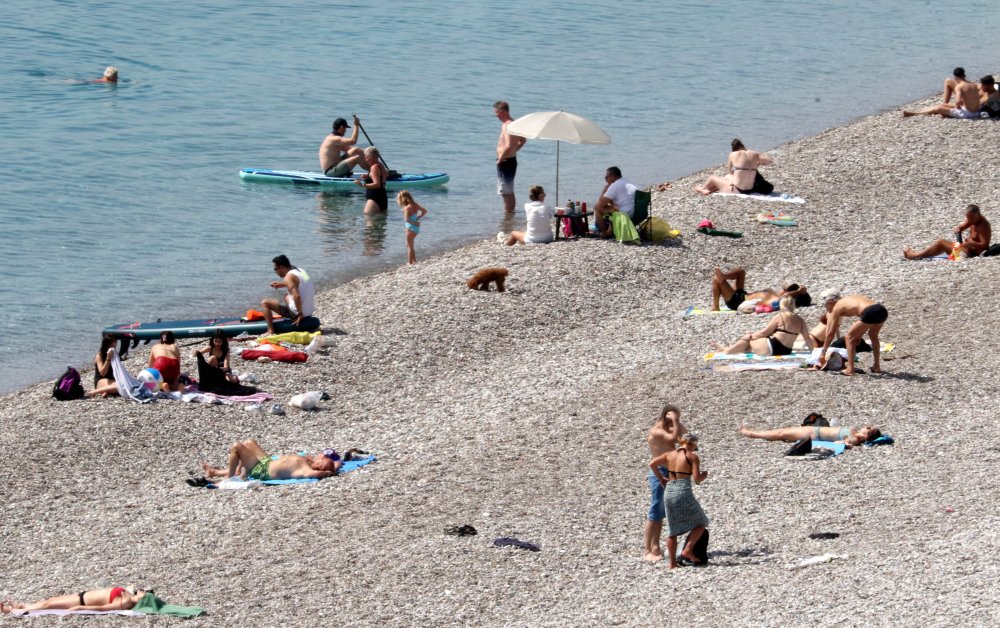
point(777, 338)
point(742, 172)
point(110, 599)
point(684, 513)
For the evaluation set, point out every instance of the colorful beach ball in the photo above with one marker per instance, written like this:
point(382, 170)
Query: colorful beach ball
point(151, 378)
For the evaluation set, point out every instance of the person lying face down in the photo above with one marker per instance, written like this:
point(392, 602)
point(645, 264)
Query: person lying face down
point(109, 599)
point(850, 438)
point(248, 461)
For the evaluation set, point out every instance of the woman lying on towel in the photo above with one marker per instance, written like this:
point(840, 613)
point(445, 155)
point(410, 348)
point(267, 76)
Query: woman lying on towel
point(775, 339)
point(110, 599)
point(850, 438)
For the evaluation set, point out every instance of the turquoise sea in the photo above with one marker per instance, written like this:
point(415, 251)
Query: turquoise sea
point(122, 203)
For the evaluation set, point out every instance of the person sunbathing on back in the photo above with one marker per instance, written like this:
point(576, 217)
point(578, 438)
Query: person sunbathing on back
point(980, 234)
point(248, 461)
point(850, 438)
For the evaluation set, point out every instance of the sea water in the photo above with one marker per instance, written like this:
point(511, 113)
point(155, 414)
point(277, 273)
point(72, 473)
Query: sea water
point(122, 202)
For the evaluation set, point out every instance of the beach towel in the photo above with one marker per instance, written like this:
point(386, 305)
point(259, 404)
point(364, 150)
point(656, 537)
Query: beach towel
point(694, 310)
point(196, 396)
point(235, 483)
point(623, 228)
point(758, 366)
point(942, 256)
point(275, 356)
point(148, 604)
point(756, 358)
point(778, 220)
point(129, 387)
point(294, 337)
point(773, 196)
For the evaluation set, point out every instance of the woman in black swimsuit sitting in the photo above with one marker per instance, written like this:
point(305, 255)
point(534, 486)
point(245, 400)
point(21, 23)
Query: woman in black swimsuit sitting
point(775, 339)
point(376, 200)
point(742, 172)
point(104, 377)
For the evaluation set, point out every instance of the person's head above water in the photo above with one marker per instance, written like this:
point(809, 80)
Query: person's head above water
point(111, 74)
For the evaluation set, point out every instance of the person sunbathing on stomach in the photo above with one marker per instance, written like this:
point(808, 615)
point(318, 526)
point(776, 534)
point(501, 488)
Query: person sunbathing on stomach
point(110, 599)
point(850, 438)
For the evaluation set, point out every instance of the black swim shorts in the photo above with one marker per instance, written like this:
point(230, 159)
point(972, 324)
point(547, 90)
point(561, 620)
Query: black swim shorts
point(874, 314)
point(739, 296)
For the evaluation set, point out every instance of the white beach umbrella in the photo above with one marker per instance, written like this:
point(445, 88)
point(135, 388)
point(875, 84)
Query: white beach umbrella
point(561, 127)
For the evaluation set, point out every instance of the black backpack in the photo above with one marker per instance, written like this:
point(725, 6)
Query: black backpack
point(700, 549)
point(815, 419)
point(68, 386)
point(992, 108)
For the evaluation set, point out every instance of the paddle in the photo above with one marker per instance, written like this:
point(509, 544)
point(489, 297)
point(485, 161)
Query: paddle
point(392, 173)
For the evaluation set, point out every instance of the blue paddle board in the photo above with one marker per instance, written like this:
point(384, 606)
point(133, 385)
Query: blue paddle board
point(205, 328)
point(320, 180)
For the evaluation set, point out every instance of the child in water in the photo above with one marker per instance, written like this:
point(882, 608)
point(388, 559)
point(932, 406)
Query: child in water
point(412, 213)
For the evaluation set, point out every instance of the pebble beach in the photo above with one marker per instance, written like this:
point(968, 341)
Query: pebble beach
point(524, 414)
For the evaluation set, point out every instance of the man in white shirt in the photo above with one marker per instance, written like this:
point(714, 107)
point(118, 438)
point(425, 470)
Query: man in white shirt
point(618, 195)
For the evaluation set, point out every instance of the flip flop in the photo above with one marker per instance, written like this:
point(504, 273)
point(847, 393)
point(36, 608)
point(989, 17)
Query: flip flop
point(504, 541)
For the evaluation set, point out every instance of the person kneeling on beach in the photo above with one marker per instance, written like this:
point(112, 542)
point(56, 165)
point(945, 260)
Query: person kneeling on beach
point(166, 358)
point(662, 438)
point(733, 294)
point(248, 461)
point(850, 438)
point(871, 317)
point(539, 217)
point(980, 234)
point(777, 338)
point(684, 513)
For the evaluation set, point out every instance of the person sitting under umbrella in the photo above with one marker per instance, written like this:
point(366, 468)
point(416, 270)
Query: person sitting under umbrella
point(617, 195)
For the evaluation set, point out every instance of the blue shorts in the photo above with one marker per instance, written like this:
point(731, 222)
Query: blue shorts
point(656, 510)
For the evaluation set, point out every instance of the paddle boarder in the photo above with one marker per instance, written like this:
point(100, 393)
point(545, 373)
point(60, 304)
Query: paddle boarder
point(338, 154)
point(300, 300)
point(507, 147)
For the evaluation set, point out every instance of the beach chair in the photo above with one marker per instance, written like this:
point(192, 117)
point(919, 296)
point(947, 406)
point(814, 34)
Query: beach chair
point(641, 212)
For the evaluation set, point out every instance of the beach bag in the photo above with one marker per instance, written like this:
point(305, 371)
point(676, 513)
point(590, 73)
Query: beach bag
point(993, 250)
point(656, 230)
point(623, 228)
point(801, 447)
point(700, 549)
point(761, 186)
point(68, 386)
point(815, 419)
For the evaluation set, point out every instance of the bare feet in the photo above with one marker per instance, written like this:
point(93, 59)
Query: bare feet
point(717, 346)
point(691, 558)
point(673, 564)
point(700, 190)
point(649, 557)
point(907, 114)
point(909, 253)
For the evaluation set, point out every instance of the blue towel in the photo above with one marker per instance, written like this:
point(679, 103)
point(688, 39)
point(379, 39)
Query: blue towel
point(836, 448)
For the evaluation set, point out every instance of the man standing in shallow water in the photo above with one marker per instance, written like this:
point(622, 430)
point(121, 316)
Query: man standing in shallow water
point(507, 147)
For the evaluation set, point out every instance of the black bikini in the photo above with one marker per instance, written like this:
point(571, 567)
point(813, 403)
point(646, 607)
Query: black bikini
point(377, 194)
point(777, 348)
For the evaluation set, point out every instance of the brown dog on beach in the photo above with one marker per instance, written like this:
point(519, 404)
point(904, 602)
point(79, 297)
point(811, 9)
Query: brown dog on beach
point(482, 279)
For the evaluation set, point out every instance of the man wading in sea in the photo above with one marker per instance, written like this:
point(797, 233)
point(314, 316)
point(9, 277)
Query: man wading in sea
point(507, 147)
point(338, 154)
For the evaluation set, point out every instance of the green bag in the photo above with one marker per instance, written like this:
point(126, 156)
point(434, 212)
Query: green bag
point(623, 228)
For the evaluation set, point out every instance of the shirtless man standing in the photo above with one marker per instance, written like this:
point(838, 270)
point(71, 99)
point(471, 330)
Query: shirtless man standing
point(248, 460)
point(977, 242)
point(338, 154)
point(507, 147)
point(871, 317)
point(966, 107)
point(662, 438)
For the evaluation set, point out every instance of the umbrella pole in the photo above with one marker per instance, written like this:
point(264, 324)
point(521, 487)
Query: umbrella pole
point(557, 172)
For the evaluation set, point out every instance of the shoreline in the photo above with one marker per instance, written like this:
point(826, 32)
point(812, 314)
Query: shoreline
point(332, 284)
point(524, 414)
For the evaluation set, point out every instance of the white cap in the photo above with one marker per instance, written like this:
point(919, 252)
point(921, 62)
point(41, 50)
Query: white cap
point(830, 294)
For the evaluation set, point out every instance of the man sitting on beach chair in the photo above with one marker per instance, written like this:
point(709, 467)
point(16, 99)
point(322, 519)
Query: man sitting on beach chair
point(617, 195)
point(248, 461)
point(978, 241)
point(733, 294)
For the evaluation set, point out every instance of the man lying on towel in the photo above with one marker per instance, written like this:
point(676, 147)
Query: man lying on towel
point(248, 461)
